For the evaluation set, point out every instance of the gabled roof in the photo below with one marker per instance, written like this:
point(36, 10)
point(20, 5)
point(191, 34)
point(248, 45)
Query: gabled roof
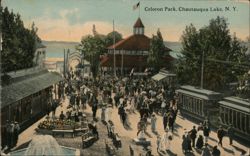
point(28, 86)
point(138, 23)
point(133, 42)
point(39, 45)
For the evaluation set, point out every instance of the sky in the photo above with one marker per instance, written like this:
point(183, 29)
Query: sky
point(69, 20)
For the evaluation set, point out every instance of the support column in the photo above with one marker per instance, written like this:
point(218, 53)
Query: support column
point(236, 119)
point(245, 123)
point(240, 121)
point(233, 117)
point(224, 114)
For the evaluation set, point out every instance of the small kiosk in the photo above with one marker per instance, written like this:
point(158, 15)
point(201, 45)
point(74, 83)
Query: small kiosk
point(198, 103)
point(165, 77)
point(236, 111)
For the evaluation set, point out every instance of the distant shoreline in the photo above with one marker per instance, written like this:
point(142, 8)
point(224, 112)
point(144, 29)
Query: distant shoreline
point(54, 59)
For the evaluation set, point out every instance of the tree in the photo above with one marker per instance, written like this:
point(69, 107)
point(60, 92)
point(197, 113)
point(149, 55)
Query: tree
point(218, 45)
point(156, 51)
point(19, 43)
point(109, 39)
point(92, 47)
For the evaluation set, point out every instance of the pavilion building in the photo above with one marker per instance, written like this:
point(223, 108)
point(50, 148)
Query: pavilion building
point(131, 52)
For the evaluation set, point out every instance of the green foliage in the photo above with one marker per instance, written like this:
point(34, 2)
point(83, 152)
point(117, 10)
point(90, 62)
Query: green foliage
point(156, 51)
point(109, 39)
point(217, 44)
point(92, 47)
point(19, 43)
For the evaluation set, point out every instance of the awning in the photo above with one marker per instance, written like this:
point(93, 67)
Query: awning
point(159, 77)
point(21, 89)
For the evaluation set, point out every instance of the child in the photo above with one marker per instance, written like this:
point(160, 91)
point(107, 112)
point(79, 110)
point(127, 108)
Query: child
point(158, 142)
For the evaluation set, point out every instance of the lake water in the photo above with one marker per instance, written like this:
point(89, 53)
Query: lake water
point(55, 49)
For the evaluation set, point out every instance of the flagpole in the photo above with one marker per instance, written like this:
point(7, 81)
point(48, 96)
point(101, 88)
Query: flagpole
point(139, 9)
point(114, 47)
point(122, 63)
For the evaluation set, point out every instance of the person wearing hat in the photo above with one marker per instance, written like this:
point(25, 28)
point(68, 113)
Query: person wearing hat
point(8, 131)
point(220, 135)
point(165, 120)
point(206, 151)
point(215, 151)
point(230, 133)
point(193, 133)
point(206, 131)
point(199, 142)
point(185, 141)
point(12, 136)
point(16, 132)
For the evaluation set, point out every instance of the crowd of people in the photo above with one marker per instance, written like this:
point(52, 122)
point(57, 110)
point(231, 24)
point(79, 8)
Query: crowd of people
point(12, 129)
point(130, 95)
point(150, 99)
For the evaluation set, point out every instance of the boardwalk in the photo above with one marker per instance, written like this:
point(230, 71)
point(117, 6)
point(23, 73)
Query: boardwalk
point(98, 148)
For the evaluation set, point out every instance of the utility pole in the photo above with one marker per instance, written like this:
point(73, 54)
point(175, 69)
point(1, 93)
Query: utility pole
point(202, 69)
point(122, 53)
point(114, 48)
point(64, 61)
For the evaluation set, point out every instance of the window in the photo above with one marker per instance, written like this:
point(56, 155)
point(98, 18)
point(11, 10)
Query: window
point(234, 118)
point(238, 120)
point(198, 107)
point(201, 107)
point(145, 52)
point(226, 115)
point(222, 114)
point(230, 116)
point(247, 124)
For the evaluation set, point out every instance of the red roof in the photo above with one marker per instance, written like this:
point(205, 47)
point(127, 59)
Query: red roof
point(138, 23)
point(133, 42)
point(130, 61)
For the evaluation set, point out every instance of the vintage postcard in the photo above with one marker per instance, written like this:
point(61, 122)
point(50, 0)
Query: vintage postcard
point(125, 77)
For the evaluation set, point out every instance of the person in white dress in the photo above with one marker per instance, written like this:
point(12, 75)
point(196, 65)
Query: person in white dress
point(166, 140)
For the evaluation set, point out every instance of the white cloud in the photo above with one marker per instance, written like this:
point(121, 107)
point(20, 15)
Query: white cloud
point(63, 13)
point(61, 30)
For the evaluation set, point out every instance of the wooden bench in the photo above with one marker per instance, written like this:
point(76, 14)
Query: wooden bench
point(63, 132)
point(87, 139)
point(80, 131)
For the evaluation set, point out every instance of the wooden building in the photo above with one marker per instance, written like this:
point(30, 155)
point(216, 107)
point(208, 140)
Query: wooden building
point(236, 111)
point(165, 77)
point(25, 98)
point(198, 103)
point(131, 52)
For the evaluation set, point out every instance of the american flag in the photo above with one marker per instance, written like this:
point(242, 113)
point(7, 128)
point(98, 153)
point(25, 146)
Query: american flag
point(136, 6)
